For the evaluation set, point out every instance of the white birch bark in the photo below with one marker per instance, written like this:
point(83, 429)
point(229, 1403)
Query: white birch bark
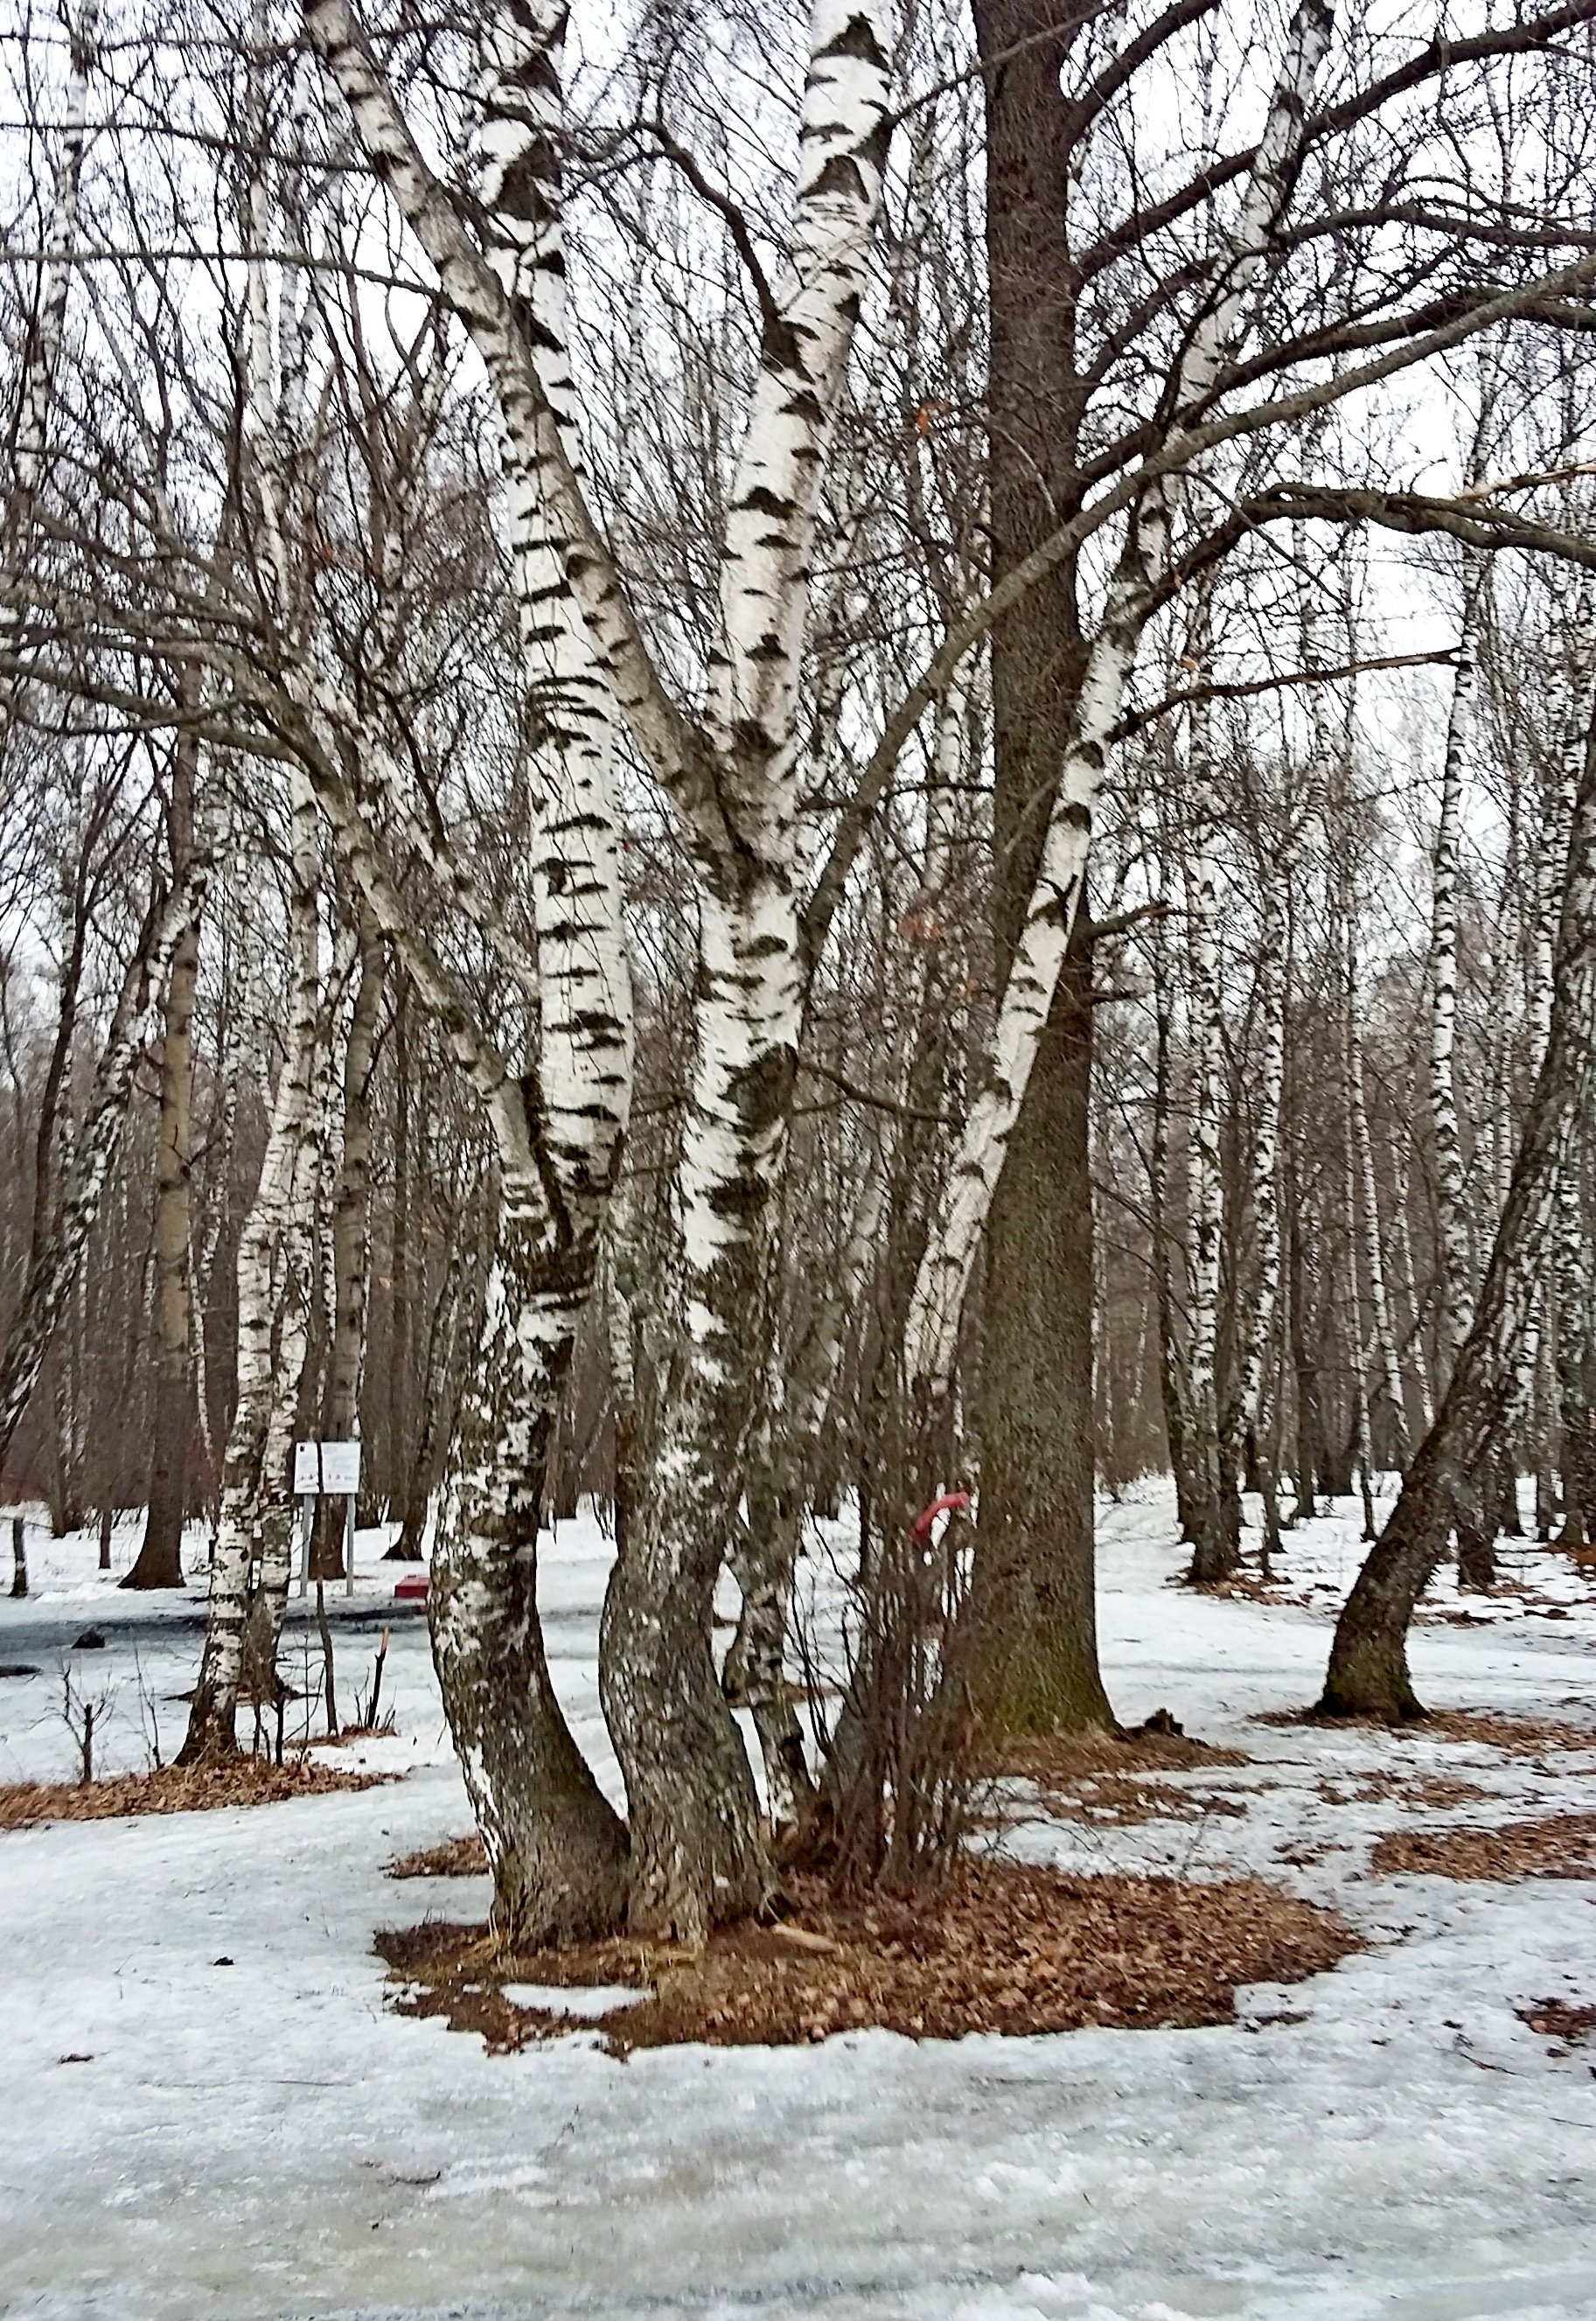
point(269, 1294)
point(1260, 1325)
point(1452, 1214)
point(939, 1293)
point(697, 1852)
point(1364, 1196)
point(1214, 1551)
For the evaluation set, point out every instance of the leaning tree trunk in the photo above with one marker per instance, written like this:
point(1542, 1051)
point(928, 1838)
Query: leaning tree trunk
point(1368, 1672)
point(159, 1561)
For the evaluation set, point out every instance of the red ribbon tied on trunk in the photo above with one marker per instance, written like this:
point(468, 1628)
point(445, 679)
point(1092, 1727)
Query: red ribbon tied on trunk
point(944, 1506)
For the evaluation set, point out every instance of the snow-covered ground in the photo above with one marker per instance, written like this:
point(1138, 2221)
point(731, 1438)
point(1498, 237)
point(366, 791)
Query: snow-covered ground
point(209, 2112)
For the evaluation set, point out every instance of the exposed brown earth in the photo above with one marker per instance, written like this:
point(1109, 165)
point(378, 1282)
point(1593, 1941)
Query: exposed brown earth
point(1013, 1948)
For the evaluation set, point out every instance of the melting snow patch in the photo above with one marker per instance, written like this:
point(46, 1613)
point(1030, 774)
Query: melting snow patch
point(589, 2000)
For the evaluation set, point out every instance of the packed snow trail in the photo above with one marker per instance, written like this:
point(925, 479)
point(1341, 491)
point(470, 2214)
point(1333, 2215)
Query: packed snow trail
point(245, 2132)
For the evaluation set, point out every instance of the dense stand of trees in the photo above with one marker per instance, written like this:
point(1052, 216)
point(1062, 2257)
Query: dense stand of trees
point(740, 770)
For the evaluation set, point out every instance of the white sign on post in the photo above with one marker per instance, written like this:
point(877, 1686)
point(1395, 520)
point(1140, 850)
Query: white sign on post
point(330, 1471)
point(320, 1466)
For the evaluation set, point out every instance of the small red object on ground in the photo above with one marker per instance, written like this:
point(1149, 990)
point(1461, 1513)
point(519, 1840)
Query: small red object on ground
point(945, 1506)
point(411, 1589)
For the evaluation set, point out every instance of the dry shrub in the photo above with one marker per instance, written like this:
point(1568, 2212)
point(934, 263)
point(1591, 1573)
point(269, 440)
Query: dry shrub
point(1009, 1947)
point(1564, 1845)
point(899, 1794)
point(457, 1857)
point(174, 1788)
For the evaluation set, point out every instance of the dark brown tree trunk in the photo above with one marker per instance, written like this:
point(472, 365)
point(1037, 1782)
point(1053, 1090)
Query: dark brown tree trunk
point(1035, 1554)
point(159, 1559)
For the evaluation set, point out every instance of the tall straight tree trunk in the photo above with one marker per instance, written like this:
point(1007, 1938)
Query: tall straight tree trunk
point(159, 1561)
point(256, 1499)
point(1216, 1550)
point(1139, 579)
point(350, 1235)
point(1368, 1673)
point(1451, 1191)
point(1034, 1579)
point(1364, 1205)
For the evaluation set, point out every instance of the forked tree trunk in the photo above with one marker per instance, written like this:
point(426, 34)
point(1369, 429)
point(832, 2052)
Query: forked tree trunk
point(698, 1852)
point(1368, 1672)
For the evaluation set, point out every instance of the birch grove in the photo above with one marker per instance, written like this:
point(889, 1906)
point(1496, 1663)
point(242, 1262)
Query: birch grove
point(795, 662)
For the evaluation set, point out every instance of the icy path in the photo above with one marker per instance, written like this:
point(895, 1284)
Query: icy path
point(262, 2138)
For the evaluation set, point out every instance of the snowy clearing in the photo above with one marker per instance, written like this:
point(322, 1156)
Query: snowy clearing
point(213, 2114)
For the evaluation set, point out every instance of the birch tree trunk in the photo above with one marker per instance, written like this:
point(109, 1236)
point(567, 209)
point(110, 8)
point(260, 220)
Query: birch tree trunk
point(254, 1495)
point(556, 1847)
point(1368, 1672)
point(350, 1235)
point(1451, 1191)
point(1260, 1330)
point(1364, 1199)
point(1215, 1552)
point(699, 1854)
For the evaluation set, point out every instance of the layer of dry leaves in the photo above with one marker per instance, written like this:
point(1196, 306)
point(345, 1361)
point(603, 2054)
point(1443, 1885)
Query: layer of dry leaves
point(1116, 1777)
point(457, 1857)
point(1519, 1736)
point(1563, 1845)
point(174, 1788)
point(1419, 1792)
point(1015, 1948)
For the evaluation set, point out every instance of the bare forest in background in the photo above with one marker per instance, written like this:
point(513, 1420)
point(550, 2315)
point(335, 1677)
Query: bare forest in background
point(769, 765)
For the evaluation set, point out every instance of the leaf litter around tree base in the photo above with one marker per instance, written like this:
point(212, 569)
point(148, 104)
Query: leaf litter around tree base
point(244, 1780)
point(1012, 1948)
